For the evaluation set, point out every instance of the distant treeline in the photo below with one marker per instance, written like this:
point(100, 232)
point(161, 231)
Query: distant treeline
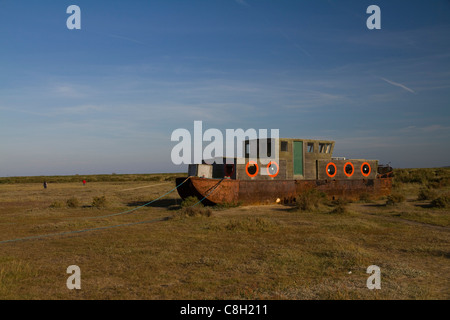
point(431, 176)
point(93, 178)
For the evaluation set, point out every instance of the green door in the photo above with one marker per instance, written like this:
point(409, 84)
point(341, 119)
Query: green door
point(298, 157)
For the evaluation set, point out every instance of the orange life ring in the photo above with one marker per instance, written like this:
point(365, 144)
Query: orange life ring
point(268, 169)
point(331, 173)
point(363, 167)
point(345, 169)
point(256, 171)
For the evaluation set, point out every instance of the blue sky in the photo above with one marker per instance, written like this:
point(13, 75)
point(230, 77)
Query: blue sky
point(106, 98)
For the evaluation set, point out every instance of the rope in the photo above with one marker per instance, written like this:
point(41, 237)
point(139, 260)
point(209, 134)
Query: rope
point(144, 205)
point(151, 185)
point(212, 190)
point(100, 228)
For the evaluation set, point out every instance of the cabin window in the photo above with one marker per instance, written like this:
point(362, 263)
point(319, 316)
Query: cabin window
point(251, 148)
point(284, 146)
point(229, 170)
point(310, 147)
point(325, 147)
point(252, 169)
point(322, 148)
point(269, 148)
point(257, 146)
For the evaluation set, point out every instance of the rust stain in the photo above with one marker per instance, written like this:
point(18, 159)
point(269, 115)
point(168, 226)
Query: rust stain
point(251, 192)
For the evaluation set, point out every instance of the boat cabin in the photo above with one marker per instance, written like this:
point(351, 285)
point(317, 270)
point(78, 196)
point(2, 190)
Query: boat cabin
point(297, 159)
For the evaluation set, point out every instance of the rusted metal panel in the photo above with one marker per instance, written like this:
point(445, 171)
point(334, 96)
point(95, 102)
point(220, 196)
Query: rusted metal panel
point(348, 189)
point(266, 192)
point(248, 192)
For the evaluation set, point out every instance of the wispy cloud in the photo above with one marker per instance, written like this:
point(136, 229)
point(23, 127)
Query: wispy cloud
point(398, 85)
point(295, 44)
point(242, 3)
point(425, 129)
point(125, 38)
point(68, 91)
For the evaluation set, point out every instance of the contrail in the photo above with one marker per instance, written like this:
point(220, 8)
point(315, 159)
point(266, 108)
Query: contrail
point(398, 85)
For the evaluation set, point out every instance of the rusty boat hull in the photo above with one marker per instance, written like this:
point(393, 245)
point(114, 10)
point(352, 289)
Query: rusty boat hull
point(257, 192)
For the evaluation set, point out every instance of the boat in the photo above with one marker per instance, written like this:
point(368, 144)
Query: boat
point(299, 165)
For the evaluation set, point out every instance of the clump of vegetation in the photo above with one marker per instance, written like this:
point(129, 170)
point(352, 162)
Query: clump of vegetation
point(310, 200)
point(433, 178)
point(421, 176)
point(426, 194)
point(340, 206)
point(73, 202)
point(442, 201)
point(395, 198)
point(250, 225)
point(190, 201)
point(227, 205)
point(56, 204)
point(440, 182)
point(195, 212)
point(99, 202)
point(191, 207)
point(397, 184)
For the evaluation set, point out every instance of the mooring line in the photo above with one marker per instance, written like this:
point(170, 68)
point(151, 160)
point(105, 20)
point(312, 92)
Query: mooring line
point(151, 185)
point(212, 190)
point(134, 209)
point(100, 228)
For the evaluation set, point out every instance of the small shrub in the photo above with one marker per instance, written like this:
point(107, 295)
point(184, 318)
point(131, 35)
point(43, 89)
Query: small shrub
point(227, 205)
point(434, 184)
point(421, 176)
point(397, 184)
point(426, 194)
point(56, 204)
point(195, 212)
point(310, 199)
point(395, 198)
point(190, 201)
point(251, 224)
point(73, 202)
point(340, 206)
point(438, 183)
point(442, 201)
point(99, 202)
point(444, 182)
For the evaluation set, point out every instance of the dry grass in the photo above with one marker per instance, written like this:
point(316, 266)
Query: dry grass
point(247, 252)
